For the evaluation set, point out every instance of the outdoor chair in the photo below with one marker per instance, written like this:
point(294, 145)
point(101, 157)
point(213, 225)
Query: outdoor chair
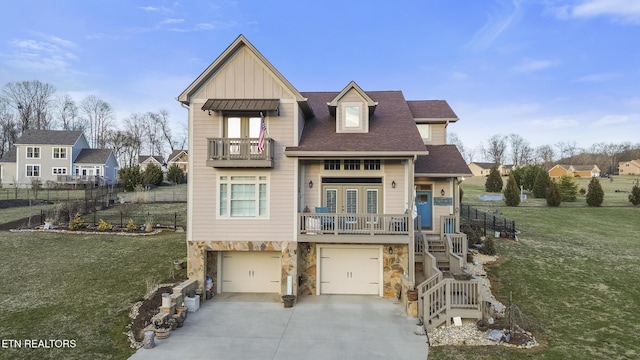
point(326, 221)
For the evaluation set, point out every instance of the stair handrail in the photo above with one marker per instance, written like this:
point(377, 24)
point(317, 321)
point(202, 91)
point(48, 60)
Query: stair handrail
point(456, 262)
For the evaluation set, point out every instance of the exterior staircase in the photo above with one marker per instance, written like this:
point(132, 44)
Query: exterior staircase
point(447, 292)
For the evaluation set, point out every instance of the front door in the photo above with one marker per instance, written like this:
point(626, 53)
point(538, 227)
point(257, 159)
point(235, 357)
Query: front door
point(423, 206)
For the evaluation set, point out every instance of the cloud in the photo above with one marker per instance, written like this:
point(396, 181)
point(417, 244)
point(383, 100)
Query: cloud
point(555, 123)
point(596, 78)
point(612, 119)
point(626, 11)
point(171, 21)
point(155, 9)
point(495, 26)
point(45, 53)
point(531, 65)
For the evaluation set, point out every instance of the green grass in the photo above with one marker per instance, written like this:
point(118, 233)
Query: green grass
point(573, 273)
point(79, 287)
point(21, 212)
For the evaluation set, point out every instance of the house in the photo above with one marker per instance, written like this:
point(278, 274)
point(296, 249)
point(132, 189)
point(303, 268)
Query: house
point(55, 157)
point(179, 158)
point(574, 170)
point(629, 167)
point(313, 193)
point(483, 168)
point(144, 160)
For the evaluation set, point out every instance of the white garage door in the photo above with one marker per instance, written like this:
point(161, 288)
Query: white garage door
point(345, 270)
point(251, 271)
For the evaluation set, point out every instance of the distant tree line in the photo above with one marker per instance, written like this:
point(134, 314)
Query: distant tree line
point(33, 104)
point(513, 149)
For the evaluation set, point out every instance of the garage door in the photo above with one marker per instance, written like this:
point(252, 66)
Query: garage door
point(345, 270)
point(250, 271)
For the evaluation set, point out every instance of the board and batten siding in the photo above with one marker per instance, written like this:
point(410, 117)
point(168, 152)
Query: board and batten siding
point(244, 76)
point(204, 220)
point(438, 135)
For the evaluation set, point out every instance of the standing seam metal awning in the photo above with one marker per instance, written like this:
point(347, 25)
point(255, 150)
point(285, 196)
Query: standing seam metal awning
point(241, 105)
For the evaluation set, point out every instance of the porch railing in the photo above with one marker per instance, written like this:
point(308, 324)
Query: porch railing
point(451, 297)
point(358, 224)
point(239, 149)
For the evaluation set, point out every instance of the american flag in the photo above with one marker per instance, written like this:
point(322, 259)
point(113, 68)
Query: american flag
point(263, 129)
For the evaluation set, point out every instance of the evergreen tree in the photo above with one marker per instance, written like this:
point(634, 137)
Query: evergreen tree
point(634, 197)
point(175, 174)
point(541, 184)
point(494, 181)
point(153, 175)
point(130, 177)
point(595, 194)
point(511, 192)
point(568, 188)
point(554, 197)
point(529, 176)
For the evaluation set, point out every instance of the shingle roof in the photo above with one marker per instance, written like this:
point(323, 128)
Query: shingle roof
point(175, 153)
point(583, 167)
point(484, 165)
point(158, 158)
point(93, 156)
point(432, 109)
point(49, 137)
point(391, 127)
point(9, 156)
point(442, 159)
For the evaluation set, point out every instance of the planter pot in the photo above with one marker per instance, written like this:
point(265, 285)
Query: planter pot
point(288, 300)
point(149, 340)
point(148, 228)
point(178, 264)
point(182, 311)
point(162, 333)
point(166, 300)
point(412, 295)
point(179, 320)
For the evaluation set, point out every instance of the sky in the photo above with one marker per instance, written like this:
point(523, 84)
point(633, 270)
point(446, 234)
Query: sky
point(550, 71)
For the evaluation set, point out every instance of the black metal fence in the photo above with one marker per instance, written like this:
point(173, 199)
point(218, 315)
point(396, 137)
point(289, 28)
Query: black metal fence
point(488, 221)
point(121, 219)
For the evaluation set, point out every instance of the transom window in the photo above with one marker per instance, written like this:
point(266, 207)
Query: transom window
point(33, 152)
point(372, 164)
point(59, 153)
point(352, 164)
point(332, 164)
point(243, 196)
point(33, 170)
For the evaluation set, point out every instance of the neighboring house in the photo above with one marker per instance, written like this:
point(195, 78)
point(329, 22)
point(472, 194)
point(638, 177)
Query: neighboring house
point(505, 170)
point(179, 158)
point(144, 160)
point(575, 170)
point(324, 204)
point(483, 168)
point(57, 156)
point(629, 167)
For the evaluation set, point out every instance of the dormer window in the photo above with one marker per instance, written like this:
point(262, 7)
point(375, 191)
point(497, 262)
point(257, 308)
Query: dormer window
point(352, 116)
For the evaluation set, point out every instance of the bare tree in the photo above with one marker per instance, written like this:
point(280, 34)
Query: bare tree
point(32, 101)
point(495, 149)
point(161, 119)
point(8, 128)
point(546, 155)
point(467, 154)
point(521, 150)
point(97, 115)
point(67, 114)
point(125, 147)
point(136, 129)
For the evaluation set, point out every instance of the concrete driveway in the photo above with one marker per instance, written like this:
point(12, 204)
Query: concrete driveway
point(253, 326)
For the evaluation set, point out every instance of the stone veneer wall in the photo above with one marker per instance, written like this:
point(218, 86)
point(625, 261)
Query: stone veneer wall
point(200, 261)
point(394, 266)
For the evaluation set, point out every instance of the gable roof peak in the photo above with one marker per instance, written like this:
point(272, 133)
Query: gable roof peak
point(353, 86)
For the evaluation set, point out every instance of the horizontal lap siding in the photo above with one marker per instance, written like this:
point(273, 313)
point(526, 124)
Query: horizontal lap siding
point(278, 226)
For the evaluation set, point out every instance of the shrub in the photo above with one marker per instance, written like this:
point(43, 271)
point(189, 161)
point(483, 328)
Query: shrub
point(511, 192)
point(488, 247)
point(494, 181)
point(595, 194)
point(634, 197)
point(541, 184)
point(583, 191)
point(554, 197)
point(77, 223)
point(153, 175)
point(131, 226)
point(175, 174)
point(130, 177)
point(568, 188)
point(104, 226)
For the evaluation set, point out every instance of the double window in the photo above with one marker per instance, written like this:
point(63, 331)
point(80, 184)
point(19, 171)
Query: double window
point(239, 130)
point(59, 171)
point(33, 152)
point(59, 153)
point(243, 196)
point(33, 170)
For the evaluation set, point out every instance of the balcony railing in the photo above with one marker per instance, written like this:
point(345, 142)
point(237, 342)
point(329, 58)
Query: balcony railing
point(354, 224)
point(239, 153)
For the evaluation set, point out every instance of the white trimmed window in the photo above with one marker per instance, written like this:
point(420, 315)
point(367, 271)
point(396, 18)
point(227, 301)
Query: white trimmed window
point(33, 152)
point(33, 170)
point(352, 116)
point(425, 131)
point(59, 152)
point(59, 171)
point(243, 196)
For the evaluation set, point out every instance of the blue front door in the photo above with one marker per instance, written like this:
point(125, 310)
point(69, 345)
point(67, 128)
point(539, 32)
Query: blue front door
point(423, 206)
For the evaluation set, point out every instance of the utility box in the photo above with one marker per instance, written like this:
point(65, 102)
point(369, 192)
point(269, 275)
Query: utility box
point(192, 303)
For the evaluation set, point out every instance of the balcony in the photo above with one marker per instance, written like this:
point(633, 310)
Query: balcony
point(239, 153)
point(355, 228)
